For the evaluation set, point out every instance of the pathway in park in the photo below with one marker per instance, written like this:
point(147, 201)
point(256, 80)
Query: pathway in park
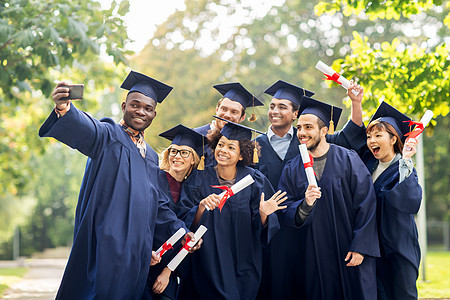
point(40, 282)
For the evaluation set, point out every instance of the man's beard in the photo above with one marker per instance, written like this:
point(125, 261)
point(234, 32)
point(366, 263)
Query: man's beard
point(316, 142)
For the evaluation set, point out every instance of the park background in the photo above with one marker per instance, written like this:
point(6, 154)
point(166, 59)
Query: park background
point(397, 50)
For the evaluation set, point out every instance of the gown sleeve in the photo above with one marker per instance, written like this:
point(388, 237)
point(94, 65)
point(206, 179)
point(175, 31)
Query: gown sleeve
point(364, 208)
point(405, 196)
point(295, 192)
point(79, 130)
point(262, 185)
point(351, 136)
point(190, 197)
point(167, 222)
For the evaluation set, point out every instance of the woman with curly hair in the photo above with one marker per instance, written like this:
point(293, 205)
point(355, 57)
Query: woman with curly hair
point(228, 266)
point(177, 162)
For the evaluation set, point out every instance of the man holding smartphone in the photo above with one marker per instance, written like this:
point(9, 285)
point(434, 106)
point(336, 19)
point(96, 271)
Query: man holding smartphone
point(120, 203)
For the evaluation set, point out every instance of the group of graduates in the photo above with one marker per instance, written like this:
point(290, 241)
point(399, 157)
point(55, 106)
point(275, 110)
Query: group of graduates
point(352, 236)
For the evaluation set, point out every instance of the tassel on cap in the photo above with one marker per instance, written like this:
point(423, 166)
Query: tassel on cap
point(201, 164)
point(253, 116)
point(255, 155)
point(331, 127)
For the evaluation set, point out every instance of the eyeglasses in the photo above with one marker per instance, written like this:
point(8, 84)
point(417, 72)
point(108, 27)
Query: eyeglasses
point(183, 152)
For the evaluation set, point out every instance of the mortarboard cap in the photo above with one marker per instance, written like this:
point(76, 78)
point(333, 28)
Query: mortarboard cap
point(137, 82)
point(236, 92)
point(235, 131)
point(329, 114)
point(284, 90)
point(393, 117)
point(184, 136)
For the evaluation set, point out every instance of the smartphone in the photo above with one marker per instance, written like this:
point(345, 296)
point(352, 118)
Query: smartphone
point(75, 92)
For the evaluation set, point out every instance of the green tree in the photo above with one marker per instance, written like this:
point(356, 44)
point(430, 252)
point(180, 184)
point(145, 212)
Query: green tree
point(396, 50)
point(412, 72)
point(42, 42)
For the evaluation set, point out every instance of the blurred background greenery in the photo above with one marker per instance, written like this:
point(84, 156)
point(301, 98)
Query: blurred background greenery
point(398, 50)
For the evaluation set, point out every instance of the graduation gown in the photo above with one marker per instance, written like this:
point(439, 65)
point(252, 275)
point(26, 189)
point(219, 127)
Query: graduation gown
point(228, 265)
point(209, 155)
point(159, 239)
point(397, 203)
point(270, 164)
point(118, 207)
point(342, 220)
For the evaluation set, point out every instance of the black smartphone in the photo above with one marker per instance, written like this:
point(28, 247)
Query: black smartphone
point(75, 92)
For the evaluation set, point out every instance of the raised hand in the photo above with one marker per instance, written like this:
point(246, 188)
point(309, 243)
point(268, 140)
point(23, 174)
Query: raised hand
point(59, 92)
point(272, 205)
point(312, 193)
point(409, 149)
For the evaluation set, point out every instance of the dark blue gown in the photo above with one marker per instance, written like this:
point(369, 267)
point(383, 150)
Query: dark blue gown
point(228, 265)
point(209, 155)
point(270, 164)
point(159, 239)
point(397, 203)
point(117, 211)
point(342, 220)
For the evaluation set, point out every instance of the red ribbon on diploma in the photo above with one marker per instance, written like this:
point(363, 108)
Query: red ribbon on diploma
point(186, 246)
point(227, 195)
point(310, 163)
point(417, 130)
point(165, 247)
point(333, 77)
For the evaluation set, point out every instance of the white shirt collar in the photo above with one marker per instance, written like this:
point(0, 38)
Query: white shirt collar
point(289, 134)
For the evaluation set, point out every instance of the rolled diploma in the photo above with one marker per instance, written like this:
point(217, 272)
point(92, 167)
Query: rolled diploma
point(173, 264)
point(329, 71)
point(309, 170)
point(426, 118)
point(238, 186)
point(172, 240)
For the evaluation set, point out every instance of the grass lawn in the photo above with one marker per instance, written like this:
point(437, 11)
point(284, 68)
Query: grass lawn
point(437, 284)
point(9, 276)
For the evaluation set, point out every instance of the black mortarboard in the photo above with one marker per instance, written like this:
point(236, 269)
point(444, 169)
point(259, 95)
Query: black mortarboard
point(235, 131)
point(137, 82)
point(284, 90)
point(329, 114)
point(184, 136)
point(236, 92)
point(393, 117)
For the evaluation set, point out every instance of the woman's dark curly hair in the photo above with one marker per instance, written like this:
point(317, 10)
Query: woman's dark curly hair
point(245, 146)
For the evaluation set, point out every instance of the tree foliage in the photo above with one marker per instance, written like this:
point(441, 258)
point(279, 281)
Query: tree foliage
point(411, 71)
point(42, 42)
point(36, 36)
point(412, 79)
point(391, 9)
point(398, 52)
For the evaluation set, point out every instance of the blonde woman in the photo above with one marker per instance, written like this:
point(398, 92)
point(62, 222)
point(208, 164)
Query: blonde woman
point(177, 162)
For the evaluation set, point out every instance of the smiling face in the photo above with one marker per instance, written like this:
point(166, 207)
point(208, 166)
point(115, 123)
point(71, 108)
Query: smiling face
point(227, 152)
point(381, 143)
point(309, 132)
point(181, 158)
point(229, 110)
point(138, 111)
point(281, 113)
